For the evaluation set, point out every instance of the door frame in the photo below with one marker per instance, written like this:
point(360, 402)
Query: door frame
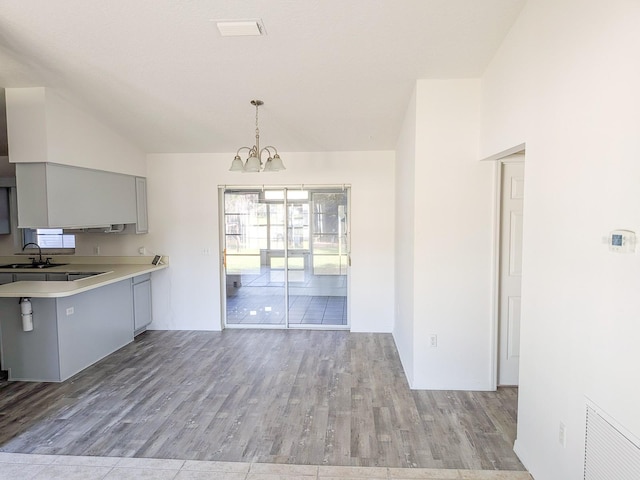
point(222, 245)
point(498, 159)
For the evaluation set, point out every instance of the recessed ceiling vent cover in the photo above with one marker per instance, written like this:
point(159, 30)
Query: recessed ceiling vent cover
point(240, 28)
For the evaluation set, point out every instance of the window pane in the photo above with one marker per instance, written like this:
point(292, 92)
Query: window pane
point(277, 238)
point(276, 213)
point(274, 195)
point(297, 195)
point(327, 223)
point(295, 263)
point(54, 238)
point(245, 222)
point(239, 202)
point(329, 264)
point(328, 202)
point(328, 244)
point(243, 264)
point(291, 195)
point(299, 238)
point(299, 226)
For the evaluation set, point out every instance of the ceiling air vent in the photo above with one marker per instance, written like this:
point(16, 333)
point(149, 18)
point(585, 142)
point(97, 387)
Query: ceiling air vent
point(240, 28)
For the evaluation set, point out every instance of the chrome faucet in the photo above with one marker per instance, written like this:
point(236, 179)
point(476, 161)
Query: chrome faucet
point(40, 261)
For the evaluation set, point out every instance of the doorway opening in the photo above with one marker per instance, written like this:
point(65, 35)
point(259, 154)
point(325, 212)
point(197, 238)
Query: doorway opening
point(285, 257)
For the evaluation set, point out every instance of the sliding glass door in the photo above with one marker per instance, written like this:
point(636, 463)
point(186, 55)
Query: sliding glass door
point(286, 254)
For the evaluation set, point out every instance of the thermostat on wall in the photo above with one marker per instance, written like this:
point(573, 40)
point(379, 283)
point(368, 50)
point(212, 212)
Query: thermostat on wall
point(622, 241)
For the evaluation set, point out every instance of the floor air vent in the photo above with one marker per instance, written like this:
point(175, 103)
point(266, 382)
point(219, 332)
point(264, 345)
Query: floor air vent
point(609, 453)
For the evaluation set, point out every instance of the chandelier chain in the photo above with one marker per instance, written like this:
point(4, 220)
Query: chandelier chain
point(257, 129)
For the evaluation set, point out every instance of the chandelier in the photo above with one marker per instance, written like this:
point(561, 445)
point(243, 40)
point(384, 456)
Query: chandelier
point(254, 160)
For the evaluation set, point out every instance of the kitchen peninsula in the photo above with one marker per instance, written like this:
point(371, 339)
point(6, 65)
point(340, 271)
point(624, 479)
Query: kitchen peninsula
point(82, 311)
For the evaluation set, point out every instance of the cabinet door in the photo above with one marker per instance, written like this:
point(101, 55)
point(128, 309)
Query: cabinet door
point(142, 223)
point(141, 305)
point(6, 278)
point(51, 195)
point(30, 277)
point(5, 220)
point(56, 277)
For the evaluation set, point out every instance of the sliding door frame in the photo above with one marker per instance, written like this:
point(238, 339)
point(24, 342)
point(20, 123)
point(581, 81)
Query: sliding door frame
point(222, 189)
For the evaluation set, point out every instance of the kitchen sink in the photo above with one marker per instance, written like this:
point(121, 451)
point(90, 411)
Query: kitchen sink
point(32, 265)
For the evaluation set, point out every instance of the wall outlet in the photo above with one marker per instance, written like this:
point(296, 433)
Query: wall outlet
point(562, 434)
point(433, 341)
point(141, 251)
point(70, 311)
point(96, 250)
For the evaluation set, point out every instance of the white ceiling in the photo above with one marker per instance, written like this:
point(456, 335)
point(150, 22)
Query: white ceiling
point(334, 74)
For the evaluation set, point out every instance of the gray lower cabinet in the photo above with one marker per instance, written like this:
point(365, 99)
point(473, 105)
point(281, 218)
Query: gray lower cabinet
point(141, 287)
point(57, 277)
point(29, 277)
point(69, 333)
point(39, 277)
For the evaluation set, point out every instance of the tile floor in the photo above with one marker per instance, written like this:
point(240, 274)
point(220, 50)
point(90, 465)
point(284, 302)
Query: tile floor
point(53, 467)
point(303, 309)
point(269, 309)
point(313, 299)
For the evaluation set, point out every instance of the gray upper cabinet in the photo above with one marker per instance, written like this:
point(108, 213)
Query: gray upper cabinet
point(142, 223)
point(62, 196)
point(5, 217)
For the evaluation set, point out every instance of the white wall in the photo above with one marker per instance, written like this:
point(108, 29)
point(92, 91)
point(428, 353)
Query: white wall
point(444, 208)
point(566, 82)
point(453, 240)
point(183, 208)
point(42, 126)
point(45, 127)
point(183, 218)
point(403, 328)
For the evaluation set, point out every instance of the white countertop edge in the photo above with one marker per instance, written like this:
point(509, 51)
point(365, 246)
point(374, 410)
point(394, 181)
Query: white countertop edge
point(59, 289)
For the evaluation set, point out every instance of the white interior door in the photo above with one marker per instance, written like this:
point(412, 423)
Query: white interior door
point(510, 271)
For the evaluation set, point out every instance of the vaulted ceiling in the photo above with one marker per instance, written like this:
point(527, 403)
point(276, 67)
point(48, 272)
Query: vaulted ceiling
point(334, 74)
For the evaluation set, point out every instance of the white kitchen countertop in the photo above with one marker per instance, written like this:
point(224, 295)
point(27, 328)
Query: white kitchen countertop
point(120, 268)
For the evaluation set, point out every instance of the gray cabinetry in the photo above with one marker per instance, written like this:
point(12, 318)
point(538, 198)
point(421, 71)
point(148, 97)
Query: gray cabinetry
point(38, 277)
point(141, 286)
point(69, 333)
point(29, 277)
point(57, 277)
point(142, 223)
point(52, 195)
point(5, 211)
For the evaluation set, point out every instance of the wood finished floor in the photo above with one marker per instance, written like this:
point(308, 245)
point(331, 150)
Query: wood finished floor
point(299, 397)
